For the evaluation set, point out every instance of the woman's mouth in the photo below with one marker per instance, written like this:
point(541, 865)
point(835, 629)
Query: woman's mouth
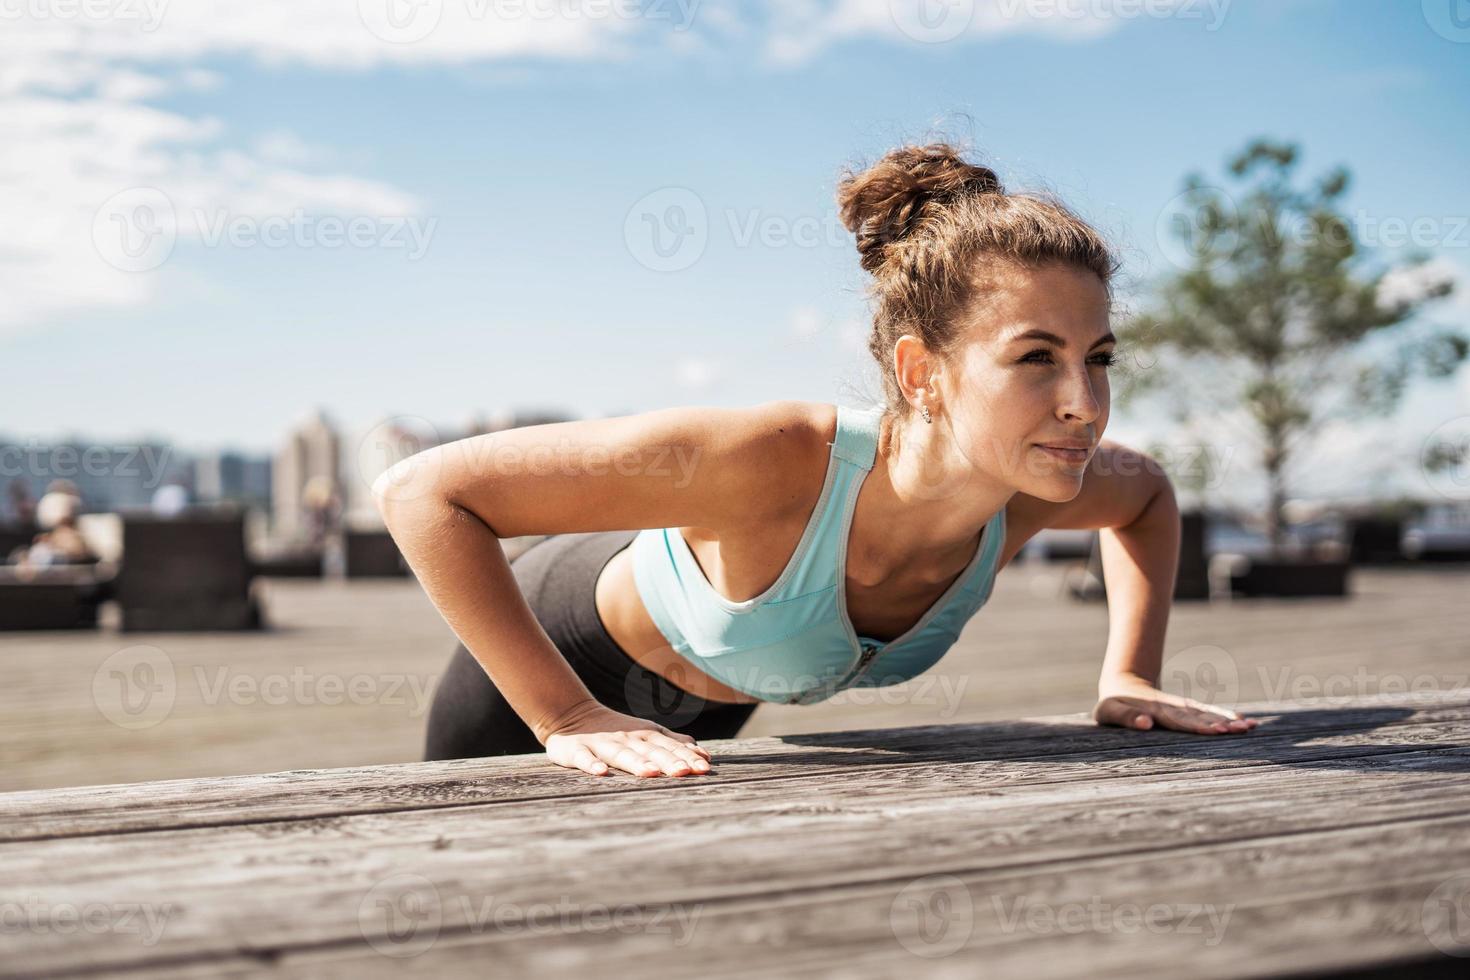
point(1066, 454)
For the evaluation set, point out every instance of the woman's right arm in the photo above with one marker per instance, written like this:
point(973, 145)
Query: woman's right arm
point(448, 507)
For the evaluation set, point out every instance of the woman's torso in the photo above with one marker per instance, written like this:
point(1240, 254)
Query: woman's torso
point(742, 567)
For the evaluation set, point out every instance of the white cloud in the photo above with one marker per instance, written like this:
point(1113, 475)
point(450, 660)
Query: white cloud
point(696, 373)
point(806, 322)
point(324, 33)
point(1453, 311)
point(809, 325)
point(853, 335)
point(798, 30)
point(75, 86)
point(1412, 283)
point(200, 79)
point(285, 147)
point(67, 159)
point(130, 86)
point(77, 80)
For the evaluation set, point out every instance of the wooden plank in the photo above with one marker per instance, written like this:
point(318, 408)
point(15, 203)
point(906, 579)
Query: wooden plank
point(1253, 908)
point(244, 888)
point(192, 803)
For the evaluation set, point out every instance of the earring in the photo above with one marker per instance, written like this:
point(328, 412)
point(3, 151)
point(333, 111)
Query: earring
point(924, 410)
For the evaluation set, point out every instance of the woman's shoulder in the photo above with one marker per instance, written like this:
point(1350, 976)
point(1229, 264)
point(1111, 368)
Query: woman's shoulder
point(790, 444)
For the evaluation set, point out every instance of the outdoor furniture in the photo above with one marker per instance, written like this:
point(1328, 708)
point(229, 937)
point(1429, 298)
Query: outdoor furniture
point(1193, 581)
point(296, 563)
point(1085, 579)
point(1335, 836)
point(371, 554)
point(1289, 577)
point(1375, 541)
point(1063, 544)
point(186, 572)
point(15, 535)
point(51, 597)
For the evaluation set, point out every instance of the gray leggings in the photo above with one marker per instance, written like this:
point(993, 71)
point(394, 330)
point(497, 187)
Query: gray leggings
point(470, 718)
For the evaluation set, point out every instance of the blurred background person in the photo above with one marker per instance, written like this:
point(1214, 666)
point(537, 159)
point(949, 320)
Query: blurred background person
point(60, 542)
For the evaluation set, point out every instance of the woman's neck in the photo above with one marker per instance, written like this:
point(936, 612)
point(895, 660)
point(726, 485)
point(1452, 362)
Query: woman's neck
point(918, 515)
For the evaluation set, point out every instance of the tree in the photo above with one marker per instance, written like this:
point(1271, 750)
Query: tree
point(1274, 309)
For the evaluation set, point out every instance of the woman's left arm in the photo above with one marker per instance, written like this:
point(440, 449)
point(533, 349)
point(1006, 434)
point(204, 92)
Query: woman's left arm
point(1128, 499)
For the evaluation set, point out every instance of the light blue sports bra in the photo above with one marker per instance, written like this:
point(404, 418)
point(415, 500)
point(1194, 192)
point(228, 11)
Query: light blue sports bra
point(794, 643)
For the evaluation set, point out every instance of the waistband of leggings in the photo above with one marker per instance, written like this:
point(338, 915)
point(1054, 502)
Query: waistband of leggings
point(603, 654)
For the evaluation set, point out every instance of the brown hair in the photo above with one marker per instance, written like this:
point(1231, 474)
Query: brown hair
point(924, 220)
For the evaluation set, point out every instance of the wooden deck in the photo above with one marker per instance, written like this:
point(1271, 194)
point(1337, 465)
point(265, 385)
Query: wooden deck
point(1335, 836)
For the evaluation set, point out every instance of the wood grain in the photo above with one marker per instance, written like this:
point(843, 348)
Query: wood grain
point(1018, 848)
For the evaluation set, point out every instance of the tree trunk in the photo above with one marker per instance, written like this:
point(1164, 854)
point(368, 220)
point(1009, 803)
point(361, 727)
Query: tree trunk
point(1275, 504)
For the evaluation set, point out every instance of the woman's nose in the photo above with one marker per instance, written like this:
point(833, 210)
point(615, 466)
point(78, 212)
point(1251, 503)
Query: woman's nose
point(1079, 402)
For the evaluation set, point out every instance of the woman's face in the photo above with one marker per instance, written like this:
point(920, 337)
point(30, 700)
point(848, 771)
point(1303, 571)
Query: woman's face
point(1032, 374)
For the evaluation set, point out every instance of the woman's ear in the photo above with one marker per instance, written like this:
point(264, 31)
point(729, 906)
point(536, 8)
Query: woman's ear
point(914, 367)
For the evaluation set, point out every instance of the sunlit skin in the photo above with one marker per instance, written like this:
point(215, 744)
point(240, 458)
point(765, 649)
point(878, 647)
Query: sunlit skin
point(1031, 371)
point(1006, 391)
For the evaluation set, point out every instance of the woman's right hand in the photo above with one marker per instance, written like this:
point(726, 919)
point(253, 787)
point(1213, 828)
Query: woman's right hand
point(597, 738)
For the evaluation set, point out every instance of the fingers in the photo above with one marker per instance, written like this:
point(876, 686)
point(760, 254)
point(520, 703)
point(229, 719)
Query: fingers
point(596, 755)
point(685, 743)
point(584, 760)
point(641, 752)
point(1179, 714)
point(626, 756)
point(685, 754)
point(1192, 720)
point(574, 755)
point(647, 753)
point(1221, 720)
point(1210, 721)
point(670, 762)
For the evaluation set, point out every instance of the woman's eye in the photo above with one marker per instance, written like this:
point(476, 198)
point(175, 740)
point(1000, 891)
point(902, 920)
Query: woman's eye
point(1044, 357)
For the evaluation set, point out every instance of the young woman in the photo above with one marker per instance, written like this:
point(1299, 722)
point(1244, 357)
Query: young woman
point(789, 550)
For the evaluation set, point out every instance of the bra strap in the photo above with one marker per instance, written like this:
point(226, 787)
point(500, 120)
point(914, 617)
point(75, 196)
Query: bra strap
point(857, 435)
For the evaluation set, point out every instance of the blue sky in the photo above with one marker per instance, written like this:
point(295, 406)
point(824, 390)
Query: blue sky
point(516, 152)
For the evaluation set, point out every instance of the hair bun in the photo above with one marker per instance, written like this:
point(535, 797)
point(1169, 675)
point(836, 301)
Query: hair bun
point(883, 203)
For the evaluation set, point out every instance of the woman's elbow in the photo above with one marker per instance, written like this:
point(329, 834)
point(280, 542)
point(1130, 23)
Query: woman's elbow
point(414, 480)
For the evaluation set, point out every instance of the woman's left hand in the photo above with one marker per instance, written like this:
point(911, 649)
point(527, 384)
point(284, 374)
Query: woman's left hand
point(1135, 703)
